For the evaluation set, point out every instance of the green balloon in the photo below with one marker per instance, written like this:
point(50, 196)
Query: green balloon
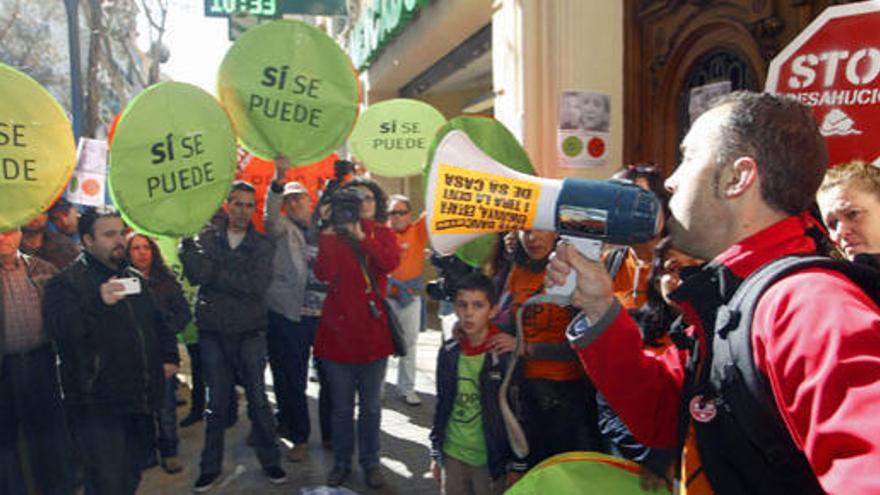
point(583, 472)
point(37, 150)
point(496, 141)
point(291, 90)
point(392, 137)
point(172, 160)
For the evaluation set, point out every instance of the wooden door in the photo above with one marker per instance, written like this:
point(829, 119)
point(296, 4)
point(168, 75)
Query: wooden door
point(672, 46)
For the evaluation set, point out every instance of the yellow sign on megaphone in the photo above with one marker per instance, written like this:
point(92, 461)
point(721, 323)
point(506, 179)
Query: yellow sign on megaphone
point(469, 194)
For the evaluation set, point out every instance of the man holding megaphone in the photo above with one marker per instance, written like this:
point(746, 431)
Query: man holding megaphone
point(751, 166)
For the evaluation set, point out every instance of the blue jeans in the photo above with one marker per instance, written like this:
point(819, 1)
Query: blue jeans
point(225, 358)
point(167, 420)
point(114, 449)
point(367, 380)
point(290, 345)
point(33, 434)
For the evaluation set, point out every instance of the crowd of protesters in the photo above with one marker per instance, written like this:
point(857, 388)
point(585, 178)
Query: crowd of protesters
point(630, 367)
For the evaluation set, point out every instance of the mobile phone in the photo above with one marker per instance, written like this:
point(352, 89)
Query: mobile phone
point(130, 286)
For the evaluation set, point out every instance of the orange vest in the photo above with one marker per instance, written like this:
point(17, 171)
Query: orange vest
point(412, 242)
point(541, 323)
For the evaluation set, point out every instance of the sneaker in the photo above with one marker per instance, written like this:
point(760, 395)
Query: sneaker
point(374, 477)
point(411, 398)
point(205, 482)
point(171, 465)
point(298, 453)
point(276, 475)
point(337, 476)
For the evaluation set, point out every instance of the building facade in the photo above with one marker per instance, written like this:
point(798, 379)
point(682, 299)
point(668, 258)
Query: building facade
point(512, 59)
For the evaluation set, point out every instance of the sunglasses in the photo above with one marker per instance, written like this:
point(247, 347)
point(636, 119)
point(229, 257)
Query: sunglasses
point(642, 169)
point(396, 213)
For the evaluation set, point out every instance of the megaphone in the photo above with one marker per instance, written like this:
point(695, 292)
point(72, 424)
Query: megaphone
point(470, 194)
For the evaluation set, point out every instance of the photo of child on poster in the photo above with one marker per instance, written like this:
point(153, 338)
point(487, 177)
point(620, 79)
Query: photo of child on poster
point(584, 121)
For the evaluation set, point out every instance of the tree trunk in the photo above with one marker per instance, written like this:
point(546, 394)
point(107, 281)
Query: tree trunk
point(93, 85)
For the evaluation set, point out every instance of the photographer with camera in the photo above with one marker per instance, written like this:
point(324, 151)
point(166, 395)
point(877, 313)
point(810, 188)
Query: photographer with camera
point(353, 340)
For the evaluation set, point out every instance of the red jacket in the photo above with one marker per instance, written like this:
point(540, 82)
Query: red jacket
point(347, 332)
point(815, 335)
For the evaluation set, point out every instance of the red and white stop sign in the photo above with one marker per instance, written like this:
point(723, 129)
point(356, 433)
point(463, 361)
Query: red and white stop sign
point(833, 66)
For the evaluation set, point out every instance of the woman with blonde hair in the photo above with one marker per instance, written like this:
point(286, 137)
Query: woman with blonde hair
point(849, 199)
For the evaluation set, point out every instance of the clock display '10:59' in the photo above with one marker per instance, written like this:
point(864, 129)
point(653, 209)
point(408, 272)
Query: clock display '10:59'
point(262, 8)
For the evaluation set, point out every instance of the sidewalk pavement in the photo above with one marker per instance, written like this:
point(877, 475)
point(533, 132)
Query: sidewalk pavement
point(404, 445)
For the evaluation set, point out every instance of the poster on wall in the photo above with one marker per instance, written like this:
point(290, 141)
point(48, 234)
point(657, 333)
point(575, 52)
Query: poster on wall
point(88, 186)
point(701, 97)
point(584, 122)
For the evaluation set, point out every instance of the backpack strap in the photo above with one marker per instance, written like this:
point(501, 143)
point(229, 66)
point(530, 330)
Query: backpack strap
point(742, 387)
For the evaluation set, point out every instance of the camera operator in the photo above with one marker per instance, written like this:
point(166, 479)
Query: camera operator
point(353, 340)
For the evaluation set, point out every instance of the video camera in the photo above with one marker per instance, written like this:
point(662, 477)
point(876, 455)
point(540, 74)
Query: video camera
point(345, 207)
point(450, 269)
point(344, 203)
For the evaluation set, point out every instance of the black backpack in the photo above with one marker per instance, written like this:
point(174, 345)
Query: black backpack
point(745, 448)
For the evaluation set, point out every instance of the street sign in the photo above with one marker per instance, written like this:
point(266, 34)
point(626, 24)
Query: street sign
point(833, 66)
point(228, 8)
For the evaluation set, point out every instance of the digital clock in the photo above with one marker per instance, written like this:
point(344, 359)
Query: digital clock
point(226, 8)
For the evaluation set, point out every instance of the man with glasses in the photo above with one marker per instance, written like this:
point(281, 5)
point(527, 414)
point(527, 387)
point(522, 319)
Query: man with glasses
point(406, 286)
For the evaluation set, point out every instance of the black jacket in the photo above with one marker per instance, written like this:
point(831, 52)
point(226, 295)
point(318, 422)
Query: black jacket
point(168, 296)
point(500, 456)
point(232, 282)
point(111, 356)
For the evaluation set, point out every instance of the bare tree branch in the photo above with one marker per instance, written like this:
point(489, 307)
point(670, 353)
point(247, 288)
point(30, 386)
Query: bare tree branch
point(12, 18)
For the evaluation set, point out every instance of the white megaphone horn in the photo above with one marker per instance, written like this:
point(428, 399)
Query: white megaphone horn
point(470, 194)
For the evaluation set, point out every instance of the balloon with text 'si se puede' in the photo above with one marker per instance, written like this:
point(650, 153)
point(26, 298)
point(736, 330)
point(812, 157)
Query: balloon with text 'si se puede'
point(392, 137)
point(291, 90)
point(172, 160)
point(37, 150)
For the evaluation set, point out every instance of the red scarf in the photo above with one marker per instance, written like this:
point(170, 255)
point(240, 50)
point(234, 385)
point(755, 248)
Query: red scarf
point(472, 350)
